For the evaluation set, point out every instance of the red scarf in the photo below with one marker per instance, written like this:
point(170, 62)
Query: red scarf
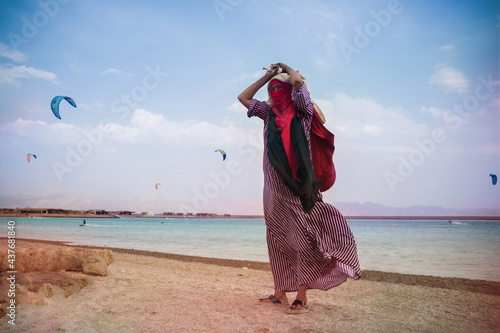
point(284, 108)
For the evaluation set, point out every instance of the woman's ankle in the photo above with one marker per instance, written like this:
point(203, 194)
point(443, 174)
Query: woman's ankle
point(301, 293)
point(281, 295)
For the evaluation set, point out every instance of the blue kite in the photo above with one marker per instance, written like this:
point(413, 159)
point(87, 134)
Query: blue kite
point(493, 178)
point(223, 153)
point(54, 105)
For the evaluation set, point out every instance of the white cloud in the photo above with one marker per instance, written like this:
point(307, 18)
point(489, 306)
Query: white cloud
point(237, 107)
point(150, 127)
point(372, 129)
point(144, 127)
point(433, 111)
point(11, 74)
point(450, 79)
point(92, 105)
point(11, 54)
point(21, 126)
point(115, 71)
point(56, 133)
point(364, 126)
point(361, 118)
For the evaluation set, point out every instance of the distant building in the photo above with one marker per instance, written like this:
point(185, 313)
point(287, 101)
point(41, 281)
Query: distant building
point(121, 212)
point(206, 215)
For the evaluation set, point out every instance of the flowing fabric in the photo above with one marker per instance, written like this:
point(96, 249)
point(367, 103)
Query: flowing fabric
point(316, 248)
point(304, 184)
point(322, 149)
point(322, 140)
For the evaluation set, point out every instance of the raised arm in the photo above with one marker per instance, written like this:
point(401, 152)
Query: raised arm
point(295, 78)
point(246, 96)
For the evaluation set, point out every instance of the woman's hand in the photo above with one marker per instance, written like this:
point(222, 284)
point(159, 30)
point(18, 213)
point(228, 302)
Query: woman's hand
point(295, 78)
point(246, 96)
point(274, 69)
point(283, 67)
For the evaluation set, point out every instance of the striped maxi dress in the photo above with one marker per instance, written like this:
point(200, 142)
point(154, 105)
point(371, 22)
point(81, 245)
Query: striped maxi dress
point(316, 248)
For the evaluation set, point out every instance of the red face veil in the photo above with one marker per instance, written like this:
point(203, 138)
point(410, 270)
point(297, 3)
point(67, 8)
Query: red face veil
point(282, 98)
point(284, 109)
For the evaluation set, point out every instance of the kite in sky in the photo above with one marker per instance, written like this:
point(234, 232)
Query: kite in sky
point(156, 185)
point(54, 105)
point(493, 179)
point(29, 157)
point(223, 154)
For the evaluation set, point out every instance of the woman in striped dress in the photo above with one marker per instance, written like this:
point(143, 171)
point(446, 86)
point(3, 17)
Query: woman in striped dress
point(309, 242)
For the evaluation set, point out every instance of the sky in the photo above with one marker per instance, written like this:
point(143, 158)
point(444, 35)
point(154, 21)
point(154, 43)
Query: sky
point(410, 89)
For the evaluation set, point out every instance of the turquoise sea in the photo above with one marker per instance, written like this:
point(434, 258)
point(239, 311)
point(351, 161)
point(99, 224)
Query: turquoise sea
point(467, 249)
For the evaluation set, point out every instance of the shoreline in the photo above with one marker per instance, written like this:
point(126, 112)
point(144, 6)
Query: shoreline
point(91, 216)
point(107, 216)
point(452, 283)
point(147, 291)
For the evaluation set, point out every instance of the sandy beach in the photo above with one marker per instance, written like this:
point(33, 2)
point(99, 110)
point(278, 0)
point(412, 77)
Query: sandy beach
point(156, 292)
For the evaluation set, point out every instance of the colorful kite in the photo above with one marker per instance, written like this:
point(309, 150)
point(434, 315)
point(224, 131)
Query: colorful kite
point(223, 153)
point(54, 105)
point(29, 157)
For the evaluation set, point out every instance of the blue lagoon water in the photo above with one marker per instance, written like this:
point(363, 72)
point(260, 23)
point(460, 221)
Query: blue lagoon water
point(468, 249)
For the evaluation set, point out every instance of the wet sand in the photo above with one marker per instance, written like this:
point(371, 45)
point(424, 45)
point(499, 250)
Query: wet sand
point(157, 292)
